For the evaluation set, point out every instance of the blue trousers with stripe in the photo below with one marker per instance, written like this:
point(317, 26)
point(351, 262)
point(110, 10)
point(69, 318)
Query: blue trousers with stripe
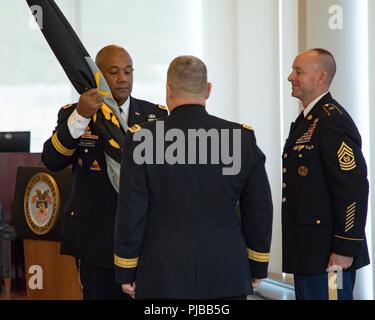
point(323, 287)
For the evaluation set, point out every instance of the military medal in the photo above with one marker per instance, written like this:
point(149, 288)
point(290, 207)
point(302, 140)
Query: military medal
point(306, 138)
point(303, 171)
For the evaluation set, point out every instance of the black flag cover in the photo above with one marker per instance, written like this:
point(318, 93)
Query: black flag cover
point(84, 75)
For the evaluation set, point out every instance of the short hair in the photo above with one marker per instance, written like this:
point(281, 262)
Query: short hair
point(187, 75)
point(328, 62)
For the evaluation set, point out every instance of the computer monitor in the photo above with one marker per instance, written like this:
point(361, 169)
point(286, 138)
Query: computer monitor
point(15, 141)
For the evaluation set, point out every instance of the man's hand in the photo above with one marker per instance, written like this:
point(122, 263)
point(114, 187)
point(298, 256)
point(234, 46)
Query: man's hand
point(89, 103)
point(129, 289)
point(256, 283)
point(335, 260)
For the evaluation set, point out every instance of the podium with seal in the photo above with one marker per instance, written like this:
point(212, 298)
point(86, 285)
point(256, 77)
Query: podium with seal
point(38, 218)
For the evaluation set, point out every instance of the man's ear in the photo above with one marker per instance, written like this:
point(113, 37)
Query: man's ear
point(323, 77)
point(168, 90)
point(209, 89)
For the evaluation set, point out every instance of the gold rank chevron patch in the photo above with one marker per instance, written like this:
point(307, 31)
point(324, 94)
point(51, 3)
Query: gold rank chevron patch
point(135, 128)
point(258, 256)
point(350, 217)
point(346, 158)
point(126, 263)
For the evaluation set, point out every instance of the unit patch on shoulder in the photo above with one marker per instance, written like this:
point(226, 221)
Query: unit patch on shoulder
point(67, 106)
point(162, 107)
point(331, 108)
point(247, 127)
point(346, 158)
point(135, 128)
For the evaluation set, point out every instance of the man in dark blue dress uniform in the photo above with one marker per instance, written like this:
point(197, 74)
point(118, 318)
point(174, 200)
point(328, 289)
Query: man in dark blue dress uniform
point(78, 141)
point(325, 187)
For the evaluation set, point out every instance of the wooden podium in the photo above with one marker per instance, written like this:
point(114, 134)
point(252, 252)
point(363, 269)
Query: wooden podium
point(60, 276)
point(38, 218)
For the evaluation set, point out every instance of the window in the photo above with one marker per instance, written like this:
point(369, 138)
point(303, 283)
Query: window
point(33, 86)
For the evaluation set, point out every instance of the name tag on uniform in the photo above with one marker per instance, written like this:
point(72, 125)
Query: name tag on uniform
point(88, 140)
point(87, 143)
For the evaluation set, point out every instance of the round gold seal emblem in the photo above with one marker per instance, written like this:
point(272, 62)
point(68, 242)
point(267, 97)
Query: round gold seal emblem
point(41, 203)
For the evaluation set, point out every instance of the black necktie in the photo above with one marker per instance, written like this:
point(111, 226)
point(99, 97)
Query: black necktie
point(299, 119)
point(294, 125)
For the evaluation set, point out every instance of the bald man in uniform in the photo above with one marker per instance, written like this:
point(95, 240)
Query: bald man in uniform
point(325, 187)
point(90, 210)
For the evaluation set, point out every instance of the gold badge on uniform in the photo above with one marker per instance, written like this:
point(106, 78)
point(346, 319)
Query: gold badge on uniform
point(299, 148)
point(303, 171)
point(346, 158)
point(95, 166)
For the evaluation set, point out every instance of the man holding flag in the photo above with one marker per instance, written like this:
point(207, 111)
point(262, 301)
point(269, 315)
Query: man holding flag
point(86, 133)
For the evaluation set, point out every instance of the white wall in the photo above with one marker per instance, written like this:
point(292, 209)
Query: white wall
point(242, 49)
point(220, 54)
point(258, 93)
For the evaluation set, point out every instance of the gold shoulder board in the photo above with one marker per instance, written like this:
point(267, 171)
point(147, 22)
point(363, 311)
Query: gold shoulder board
point(247, 127)
point(135, 128)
